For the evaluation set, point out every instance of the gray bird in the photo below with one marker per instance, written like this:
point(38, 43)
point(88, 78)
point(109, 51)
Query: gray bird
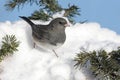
point(49, 36)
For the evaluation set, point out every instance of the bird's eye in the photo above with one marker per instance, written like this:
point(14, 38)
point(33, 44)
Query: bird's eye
point(60, 22)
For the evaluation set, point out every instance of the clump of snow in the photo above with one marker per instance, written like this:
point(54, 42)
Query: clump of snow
point(59, 14)
point(36, 64)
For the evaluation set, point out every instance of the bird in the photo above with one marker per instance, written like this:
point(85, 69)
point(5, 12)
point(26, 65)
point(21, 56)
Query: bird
point(50, 36)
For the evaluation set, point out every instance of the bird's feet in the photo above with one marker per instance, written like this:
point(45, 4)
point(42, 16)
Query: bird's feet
point(34, 45)
point(55, 53)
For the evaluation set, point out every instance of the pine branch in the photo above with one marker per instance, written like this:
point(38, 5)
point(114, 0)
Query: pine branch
point(49, 6)
point(105, 66)
point(116, 55)
point(40, 15)
point(9, 46)
point(71, 11)
point(12, 4)
point(81, 59)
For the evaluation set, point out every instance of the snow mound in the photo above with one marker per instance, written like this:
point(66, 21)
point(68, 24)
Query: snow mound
point(36, 64)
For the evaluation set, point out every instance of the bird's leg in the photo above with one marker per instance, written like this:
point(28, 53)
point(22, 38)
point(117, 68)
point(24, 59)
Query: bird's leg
point(34, 45)
point(55, 53)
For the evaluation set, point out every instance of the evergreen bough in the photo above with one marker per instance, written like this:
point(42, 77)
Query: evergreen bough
point(46, 10)
point(9, 46)
point(103, 65)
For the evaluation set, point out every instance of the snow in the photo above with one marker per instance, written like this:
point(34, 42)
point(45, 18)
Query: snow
point(36, 64)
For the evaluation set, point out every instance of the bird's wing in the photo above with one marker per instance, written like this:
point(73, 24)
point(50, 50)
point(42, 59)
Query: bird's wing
point(41, 32)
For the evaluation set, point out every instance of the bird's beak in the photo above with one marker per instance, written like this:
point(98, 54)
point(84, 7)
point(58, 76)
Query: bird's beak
point(67, 25)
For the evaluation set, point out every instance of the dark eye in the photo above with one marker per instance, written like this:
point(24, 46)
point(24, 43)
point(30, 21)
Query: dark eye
point(61, 22)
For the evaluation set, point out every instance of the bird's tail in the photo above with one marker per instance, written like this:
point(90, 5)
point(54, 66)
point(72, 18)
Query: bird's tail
point(27, 20)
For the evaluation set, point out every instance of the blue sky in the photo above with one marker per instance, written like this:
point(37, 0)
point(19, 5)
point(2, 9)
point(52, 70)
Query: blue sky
point(104, 12)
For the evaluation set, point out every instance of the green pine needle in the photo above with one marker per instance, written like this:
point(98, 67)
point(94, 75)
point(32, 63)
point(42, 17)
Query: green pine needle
point(105, 66)
point(9, 46)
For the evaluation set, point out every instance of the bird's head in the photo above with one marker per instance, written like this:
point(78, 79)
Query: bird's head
point(59, 22)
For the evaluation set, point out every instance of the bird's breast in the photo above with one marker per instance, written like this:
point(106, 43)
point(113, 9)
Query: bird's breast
point(47, 46)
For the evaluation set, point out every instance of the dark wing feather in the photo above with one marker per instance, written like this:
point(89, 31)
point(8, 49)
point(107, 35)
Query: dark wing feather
point(41, 32)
